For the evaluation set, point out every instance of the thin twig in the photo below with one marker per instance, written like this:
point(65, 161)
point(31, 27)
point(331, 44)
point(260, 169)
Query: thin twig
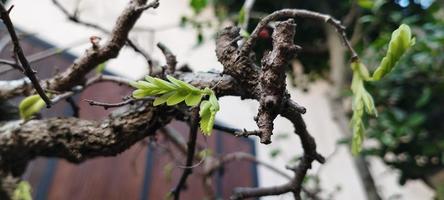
point(35, 57)
point(27, 70)
point(169, 57)
point(190, 153)
point(74, 106)
point(291, 13)
point(112, 105)
point(153, 4)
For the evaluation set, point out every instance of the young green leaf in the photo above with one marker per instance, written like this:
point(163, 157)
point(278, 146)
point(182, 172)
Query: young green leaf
point(163, 98)
point(30, 106)
point(23, 191)
point(367, 4)
point(198, 5)
point(140, 93)
point(357, 125)
point(400, 42)
point(361, 69)
point(176, 91)
point(182, 84)
point(214, 102)
point(207, 117)
point(362, 101)
point(161, 84)
point(205, 153)
point(241, 16)
point(193, 99)
point(100, 68)
point(176, 98)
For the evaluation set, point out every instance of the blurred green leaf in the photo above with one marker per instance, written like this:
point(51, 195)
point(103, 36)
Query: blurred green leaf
point(168, 171)
point(100, 68)
point(241, 16)
point(204, 153)
point(275, 152)
point(367, 4)
point(424, 98)
point(198, 5)
point(30, 106)
point(23, 191)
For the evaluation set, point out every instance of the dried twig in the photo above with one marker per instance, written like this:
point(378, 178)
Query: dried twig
point(190, 154)
point(106, 105)
point(169, 57)
point(27, 70)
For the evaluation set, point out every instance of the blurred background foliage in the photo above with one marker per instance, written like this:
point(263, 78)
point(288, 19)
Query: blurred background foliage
point(409, 132)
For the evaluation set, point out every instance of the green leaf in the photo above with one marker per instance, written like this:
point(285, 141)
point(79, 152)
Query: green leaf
point(361, 69)
point(140, 93)
point(214, 102)
point(400, 42)
point(193, 99)
point(198, 5)
point(362, 101)
point(161, 84)
point(183, 85)
point(143, 85)
point(30, 106)
point(204, 153)
point(275, 152)
point(207, 117)
point(241, 16)
point(162, 99)
point(358, 138)
point(199, 38)
point(177, 91)
point(425, 97)
point(100, 68)
point(367, 4)
point(23, 191)
point(368, 102)
point(168, 171)
point(176, 98)
point(244, 33)
point(358, 126)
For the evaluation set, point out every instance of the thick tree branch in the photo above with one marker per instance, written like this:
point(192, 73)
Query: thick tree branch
point(76, 74)
point(94, 56)
point(75, 139)
point(272, 77)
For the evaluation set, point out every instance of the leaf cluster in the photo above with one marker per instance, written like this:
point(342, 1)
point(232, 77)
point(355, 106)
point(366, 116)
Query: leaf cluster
point(400, 42)
point(175, 91)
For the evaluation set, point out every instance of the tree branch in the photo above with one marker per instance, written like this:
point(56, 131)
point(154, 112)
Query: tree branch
point(169, 57)
point(75, 74)
point(293, 13)
point(74, 18)
point(27, 70)
point(75, 139)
